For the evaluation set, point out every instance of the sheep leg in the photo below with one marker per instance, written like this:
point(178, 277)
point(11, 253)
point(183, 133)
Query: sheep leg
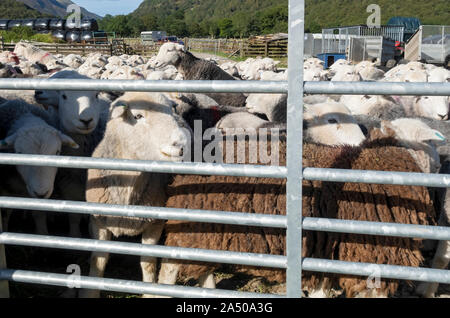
point(168, 273)
point(6, 218)
point(74, 225)
point(40, 220)
point(207, 281)
point(151, 235)
point(98, 259)
point(440, 261)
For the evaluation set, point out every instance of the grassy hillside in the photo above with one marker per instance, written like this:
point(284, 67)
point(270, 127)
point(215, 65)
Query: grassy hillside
point(241, 18)
point(11, 9)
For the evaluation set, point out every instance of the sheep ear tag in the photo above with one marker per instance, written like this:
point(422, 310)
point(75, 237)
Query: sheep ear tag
point(7, 143)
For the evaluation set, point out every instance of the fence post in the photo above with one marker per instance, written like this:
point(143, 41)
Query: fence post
point(266, 48)
point(4, 285)
point(294, 149)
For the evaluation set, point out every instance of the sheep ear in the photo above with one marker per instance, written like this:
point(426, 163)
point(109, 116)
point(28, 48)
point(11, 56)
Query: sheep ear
point(180, 48)
point(432, 134)
point(386, 127)
point(119, 110)
point(307, 112)
point(67, 141)
point(8, 143)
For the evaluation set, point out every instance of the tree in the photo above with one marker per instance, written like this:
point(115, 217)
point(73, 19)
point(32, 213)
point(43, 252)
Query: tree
point(226, 28)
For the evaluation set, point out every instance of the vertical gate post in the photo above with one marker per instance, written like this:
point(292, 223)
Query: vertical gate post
point(4, 285)
point(294, 148)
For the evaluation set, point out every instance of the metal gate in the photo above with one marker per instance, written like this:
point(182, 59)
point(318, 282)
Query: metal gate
point(293, 221)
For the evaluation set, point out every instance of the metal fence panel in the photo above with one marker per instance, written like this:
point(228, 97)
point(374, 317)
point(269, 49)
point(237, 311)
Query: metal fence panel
point(294, 173)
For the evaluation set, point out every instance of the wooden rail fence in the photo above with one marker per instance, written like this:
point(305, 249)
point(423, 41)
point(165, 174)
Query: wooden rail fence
point(237, 47)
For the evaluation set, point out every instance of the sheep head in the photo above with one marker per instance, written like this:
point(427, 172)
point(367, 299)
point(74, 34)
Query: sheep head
point(435, 107)
point(169, 54)
point(332, 124)
point(150, 116)
point(38, 140)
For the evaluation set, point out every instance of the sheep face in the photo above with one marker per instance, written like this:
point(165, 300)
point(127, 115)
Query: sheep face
point(79, 111)
point(148, 114)
point(414, 130)
point(331, 124)
point(169, 54)
point(435, 107)
point(264, 103)
point(40, 140)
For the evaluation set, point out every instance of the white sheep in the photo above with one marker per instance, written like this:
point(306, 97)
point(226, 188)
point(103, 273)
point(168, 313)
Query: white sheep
point(238, 120)
point(126, 73)
point(271, 105)
point(133, 115)
point(30, 130)
point(435, 107)
point(331, 123)
point(37, 55)
point(82, 116)
point(420, 140)
point(74, 61)
point(230, 68)
point(346, 73)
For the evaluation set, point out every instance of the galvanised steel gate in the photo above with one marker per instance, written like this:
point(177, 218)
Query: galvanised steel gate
point(293, 221)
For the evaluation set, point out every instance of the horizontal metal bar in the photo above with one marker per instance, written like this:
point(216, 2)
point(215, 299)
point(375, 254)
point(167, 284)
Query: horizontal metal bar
point(322, 174)
point(245, 219)
point(124, 286)
point(377, 270)
point(378, 177)
point(171, 252)
point(440, 233)
point(198, 168)
point(145, 85)
point(325, 87)
point(377, 88)
point(220, 217)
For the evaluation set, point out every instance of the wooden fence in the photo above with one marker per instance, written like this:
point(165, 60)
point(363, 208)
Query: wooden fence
point(65, 49)
point(231, 47)
point(274, 49)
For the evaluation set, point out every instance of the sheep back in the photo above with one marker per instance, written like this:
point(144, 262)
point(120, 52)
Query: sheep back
point(350, 201)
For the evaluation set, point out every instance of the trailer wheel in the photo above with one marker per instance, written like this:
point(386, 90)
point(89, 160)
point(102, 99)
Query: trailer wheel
point(447, 62)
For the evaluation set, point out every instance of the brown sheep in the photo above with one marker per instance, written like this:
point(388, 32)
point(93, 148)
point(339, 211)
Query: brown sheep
point(352, 201)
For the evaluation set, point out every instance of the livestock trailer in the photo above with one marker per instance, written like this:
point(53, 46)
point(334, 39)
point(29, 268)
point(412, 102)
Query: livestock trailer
point(337, 40)
point(153, 36)
point(362, 48)
point(313, 44)
point(431, 44)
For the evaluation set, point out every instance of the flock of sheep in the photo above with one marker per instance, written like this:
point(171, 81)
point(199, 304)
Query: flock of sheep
point(391, 133)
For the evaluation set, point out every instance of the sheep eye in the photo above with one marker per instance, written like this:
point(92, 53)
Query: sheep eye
point(366, 96)
point(332, 121)
point(138, 116)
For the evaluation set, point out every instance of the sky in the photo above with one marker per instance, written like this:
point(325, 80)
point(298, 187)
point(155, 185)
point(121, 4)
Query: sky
point(113, 7)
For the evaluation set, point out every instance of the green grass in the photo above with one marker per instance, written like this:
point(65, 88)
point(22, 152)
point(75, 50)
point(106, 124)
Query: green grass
point(25, 33)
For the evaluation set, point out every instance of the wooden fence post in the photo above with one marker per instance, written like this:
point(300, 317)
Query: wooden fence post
point(266, 48)
point(4, 285)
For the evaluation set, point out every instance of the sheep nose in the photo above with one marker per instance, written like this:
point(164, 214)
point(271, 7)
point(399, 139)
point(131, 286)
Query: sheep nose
point(443, 117)
point(86, 122)
point(40, 196)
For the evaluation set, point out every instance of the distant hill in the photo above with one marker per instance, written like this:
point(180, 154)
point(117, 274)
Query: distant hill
point(56, 7)
point(236, 18)
point(11, 9)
